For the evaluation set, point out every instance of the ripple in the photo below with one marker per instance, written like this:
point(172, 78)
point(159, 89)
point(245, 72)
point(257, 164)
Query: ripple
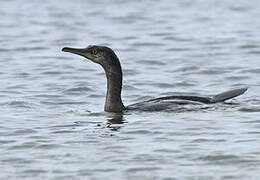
point(184, 84)
point(179, 49)
point(104, 170)
point(177, 38)
point(49, 146)
point(248, 46)
point(63, 103)
point(27, 145)
point(48, 96)
point(207, 140)
point(253, 52)
point(78, 89)
point(226, 159)
point(251, 109)
point(149, 169)
point(16, 160)
point(254, 121)
point(140, 132)
point(34, 172)
point(52, 72)
point(23, 49)
point(20, 104)
point(81, 142)
point(256, 71)
point(22, 132)
point(163, 85)
point(212, 72)
point(170, 151)
point(128, 87)
point(62, 132)
point(130, 72)
point(151, 62)
point(7, 141)
point(161, 34)
point(236, 78)
point(146, 44)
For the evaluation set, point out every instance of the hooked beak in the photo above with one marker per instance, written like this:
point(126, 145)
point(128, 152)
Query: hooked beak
point(82, 52)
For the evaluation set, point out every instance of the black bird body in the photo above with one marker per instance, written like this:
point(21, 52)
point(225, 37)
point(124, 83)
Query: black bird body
point(109, 61)
point(171, 103)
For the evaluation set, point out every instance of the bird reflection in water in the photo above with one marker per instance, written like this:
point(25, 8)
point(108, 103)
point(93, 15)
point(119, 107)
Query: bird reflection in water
point(115, 121)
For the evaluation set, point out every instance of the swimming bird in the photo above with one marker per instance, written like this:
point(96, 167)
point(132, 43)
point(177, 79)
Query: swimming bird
point(107, 58)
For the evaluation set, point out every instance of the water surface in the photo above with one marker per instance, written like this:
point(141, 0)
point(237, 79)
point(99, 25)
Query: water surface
point(52, 120)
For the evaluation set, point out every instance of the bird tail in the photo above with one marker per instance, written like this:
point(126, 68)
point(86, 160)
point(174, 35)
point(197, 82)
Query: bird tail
point(227, 95)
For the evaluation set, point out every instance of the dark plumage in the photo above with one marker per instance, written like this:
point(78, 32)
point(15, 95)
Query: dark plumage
point(109, 61)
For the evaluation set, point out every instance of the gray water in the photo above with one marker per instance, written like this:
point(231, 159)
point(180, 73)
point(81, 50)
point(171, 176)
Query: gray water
point(51, 111)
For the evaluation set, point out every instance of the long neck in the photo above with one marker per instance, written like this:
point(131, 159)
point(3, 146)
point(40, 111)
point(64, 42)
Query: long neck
point(114, 86)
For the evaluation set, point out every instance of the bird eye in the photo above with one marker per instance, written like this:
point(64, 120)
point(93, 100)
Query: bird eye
point(94, 51)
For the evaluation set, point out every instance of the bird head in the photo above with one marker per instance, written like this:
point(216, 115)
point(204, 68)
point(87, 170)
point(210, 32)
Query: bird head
point(98, 54)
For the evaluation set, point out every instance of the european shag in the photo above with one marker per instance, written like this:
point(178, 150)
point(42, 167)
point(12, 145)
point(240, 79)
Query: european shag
point(107, 58)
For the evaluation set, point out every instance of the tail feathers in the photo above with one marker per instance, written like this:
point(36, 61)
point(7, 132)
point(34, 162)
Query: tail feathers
point(227, 95)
